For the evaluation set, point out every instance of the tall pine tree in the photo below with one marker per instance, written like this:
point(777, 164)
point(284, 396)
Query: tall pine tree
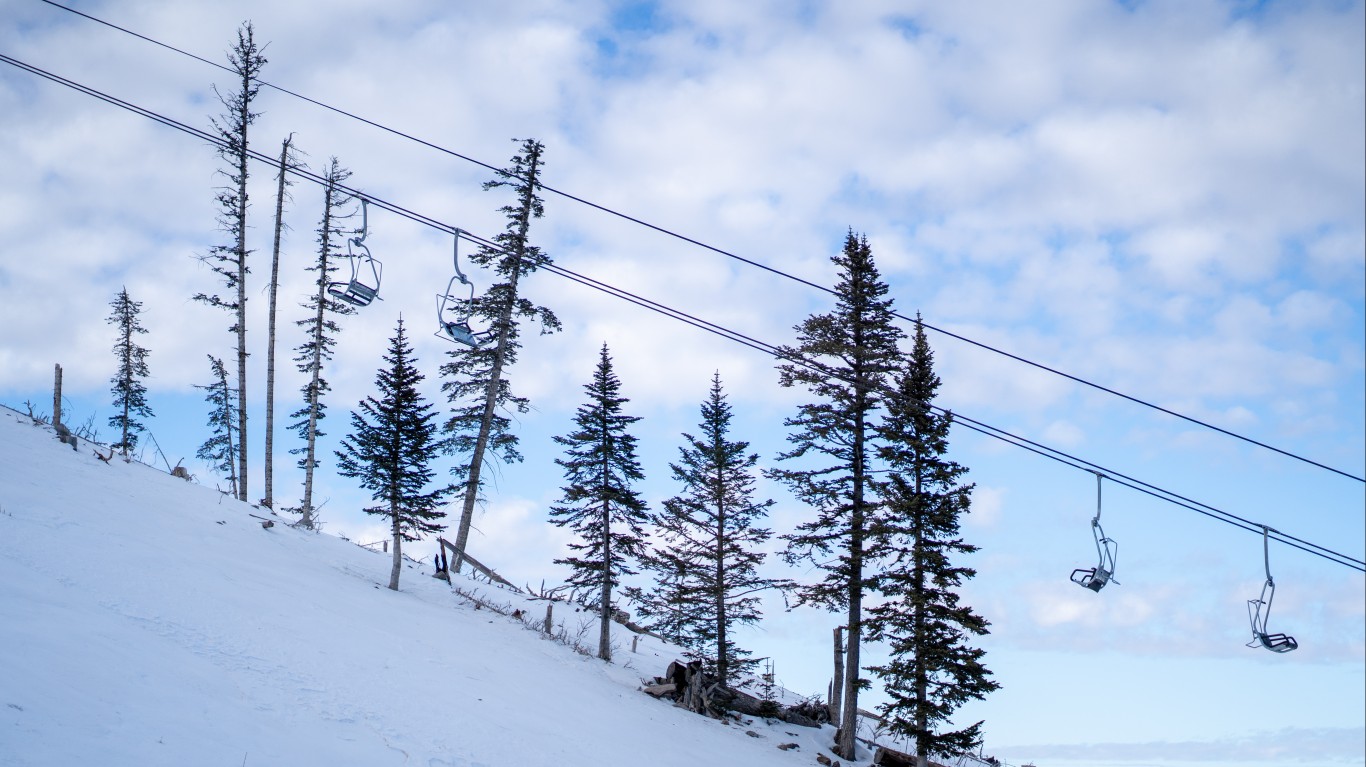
point(599, 503)
point(707, 568)
point(933, 669)
point(229, 261)
point(220, 449)
point(130, 394)
point(848, 355)
point(321, 331)
point(390, 448)
point(475, 377)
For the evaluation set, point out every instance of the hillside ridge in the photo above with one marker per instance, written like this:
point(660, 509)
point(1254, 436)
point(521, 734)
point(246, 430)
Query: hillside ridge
point(147, 620)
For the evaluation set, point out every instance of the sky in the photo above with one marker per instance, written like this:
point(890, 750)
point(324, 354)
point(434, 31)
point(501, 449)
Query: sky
point(1162, 198)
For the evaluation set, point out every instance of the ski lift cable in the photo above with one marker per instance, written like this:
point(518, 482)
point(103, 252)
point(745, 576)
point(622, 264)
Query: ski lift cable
point(728, 254)
point(775, 351)
point(985, 429)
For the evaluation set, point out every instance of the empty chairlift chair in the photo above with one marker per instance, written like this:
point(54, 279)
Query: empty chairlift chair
point(1095, 578)
point(452, 311)
point(1259, 609)
point(363, 287)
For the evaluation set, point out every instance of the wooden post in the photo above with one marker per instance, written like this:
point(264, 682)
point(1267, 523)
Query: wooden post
point(57, 397)
point(386, 546)
point(549, 608)
point(837, 686)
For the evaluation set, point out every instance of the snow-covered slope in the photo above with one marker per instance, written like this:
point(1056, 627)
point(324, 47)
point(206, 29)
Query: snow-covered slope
point(145, 620)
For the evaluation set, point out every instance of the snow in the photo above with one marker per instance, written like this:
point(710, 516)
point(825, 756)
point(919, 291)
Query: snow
point(146, 620)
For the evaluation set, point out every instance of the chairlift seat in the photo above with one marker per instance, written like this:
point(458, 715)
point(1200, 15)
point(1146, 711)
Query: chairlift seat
point(1278, 642)
point(355, 293)
point(460, 333)
point(1091, 578)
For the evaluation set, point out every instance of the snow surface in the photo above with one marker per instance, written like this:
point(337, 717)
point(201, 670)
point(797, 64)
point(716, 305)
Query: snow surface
point(146, 620)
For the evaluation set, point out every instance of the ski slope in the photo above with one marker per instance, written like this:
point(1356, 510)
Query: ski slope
point(146, 620)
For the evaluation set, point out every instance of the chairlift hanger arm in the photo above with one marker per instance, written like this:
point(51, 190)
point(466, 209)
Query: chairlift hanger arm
point(359, 235)
point(1259, 609)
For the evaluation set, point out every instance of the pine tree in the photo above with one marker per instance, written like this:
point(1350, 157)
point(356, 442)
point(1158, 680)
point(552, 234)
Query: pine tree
point(672, 606)
point(390, 448)
point(932, 669)
point(321, 332)
point(843, 357)
point(220, 449)
point(709, 564)
point(229, 261)
point(281, 194)
point(599, 503)
point(130, 395)
point(475, 384)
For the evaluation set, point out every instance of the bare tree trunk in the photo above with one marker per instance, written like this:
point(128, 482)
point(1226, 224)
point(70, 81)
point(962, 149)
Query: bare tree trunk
point(398, 553)
point(848, 741)
point(227, 428)
point(310, 454)
point(849, 720)
point(921, 678)
point(242, 310)
point(605, 628)
point(125, 373)
point(481, 444)
point(722, 661)
point(128, 383)
point(269, 500)
point(57, 395)
point(837, 683)
point(462, 536)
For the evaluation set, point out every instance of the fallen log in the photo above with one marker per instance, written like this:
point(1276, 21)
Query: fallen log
point(690, 687)
point(890, 757)
point(887, 757)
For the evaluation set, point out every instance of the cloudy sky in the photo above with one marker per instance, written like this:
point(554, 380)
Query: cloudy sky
point(1163, 198)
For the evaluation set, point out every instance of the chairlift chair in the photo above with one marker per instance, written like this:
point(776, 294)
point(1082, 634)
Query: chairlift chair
point(457, 327)
point(363, 287)
point(1259, 609)
point(1095, 578)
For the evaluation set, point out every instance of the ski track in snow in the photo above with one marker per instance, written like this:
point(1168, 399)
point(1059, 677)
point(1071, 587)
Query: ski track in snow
point(146, 620)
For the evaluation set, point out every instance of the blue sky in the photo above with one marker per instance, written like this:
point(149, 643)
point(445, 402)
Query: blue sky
point(1165, 198)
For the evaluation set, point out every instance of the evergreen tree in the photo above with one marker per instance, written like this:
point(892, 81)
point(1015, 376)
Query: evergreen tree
point(130, 395)
point(672, 606)
point(229, 261)
point(281, 194)
point(321, 332)
point(220, 449)
point(843, 358)
point(390, 448)
point(932, 669)
point(708, 567)
point(599, 503)
point(475, 384)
